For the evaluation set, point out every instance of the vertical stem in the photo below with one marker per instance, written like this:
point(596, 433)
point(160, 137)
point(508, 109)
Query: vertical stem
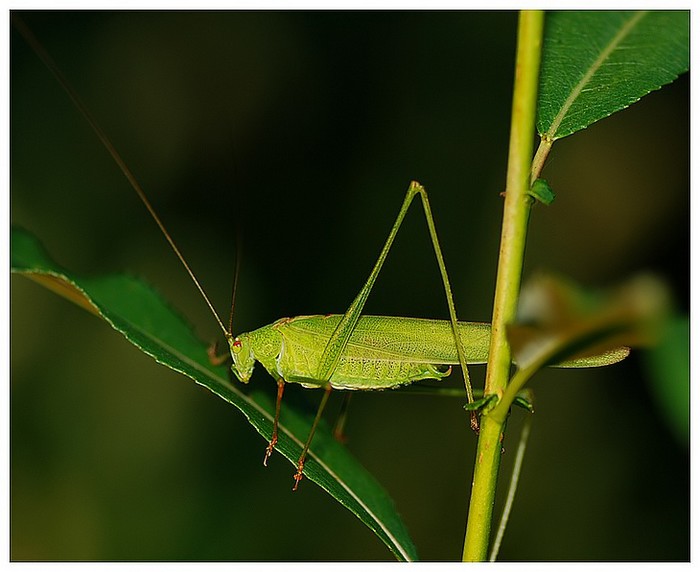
point(515, 217)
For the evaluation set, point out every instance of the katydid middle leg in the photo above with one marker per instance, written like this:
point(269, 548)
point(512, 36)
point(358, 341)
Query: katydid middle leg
point(338, 340)
point(302, 458)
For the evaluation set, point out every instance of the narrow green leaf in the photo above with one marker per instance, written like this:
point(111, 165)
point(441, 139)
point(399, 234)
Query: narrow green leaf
point(140, 314)
point(596, 63)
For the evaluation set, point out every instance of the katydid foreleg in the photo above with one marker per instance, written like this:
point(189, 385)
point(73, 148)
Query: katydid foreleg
point(338, 340)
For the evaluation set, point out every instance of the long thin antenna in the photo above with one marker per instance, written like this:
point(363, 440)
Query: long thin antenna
point(102, 136)
point(239, 241)
point(235, 281)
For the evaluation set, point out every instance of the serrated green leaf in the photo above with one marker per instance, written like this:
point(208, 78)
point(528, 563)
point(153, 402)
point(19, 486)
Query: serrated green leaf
point(596, 63)
point(134, 309)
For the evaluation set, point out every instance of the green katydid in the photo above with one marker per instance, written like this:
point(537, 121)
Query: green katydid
point(354, 352)
point(351, 351)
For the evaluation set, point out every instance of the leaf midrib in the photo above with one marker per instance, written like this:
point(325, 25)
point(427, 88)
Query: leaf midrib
point(595, 66)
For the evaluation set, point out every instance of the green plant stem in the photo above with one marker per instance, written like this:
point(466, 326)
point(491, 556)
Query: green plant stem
point(540, 157)
point(515, 217)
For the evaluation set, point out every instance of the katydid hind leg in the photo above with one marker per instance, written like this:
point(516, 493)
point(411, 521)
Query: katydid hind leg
point(338, 340)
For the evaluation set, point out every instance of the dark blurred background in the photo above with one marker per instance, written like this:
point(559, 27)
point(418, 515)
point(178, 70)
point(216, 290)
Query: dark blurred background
point(301, 131)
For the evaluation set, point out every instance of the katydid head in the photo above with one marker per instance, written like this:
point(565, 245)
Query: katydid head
point(242, 356)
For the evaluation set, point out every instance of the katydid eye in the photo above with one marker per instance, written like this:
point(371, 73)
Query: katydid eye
point(236, 345)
